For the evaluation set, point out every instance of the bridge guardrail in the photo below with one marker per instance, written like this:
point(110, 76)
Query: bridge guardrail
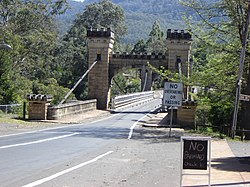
point(126, 100)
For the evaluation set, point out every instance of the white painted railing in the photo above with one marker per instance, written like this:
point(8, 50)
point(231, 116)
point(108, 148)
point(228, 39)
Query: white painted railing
point(131, 99)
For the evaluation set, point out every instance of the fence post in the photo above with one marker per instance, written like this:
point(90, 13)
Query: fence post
point(24, 110)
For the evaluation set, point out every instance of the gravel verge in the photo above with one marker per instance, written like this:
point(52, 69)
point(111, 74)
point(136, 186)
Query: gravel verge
point(18, 126)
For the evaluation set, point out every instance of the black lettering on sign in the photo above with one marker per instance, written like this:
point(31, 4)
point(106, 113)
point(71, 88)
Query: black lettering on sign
point(172, 97)
point(195, 154)
point(173, 86)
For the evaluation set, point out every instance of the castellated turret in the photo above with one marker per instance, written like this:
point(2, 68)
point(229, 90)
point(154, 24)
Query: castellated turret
point(179, 48)
point(100, 45)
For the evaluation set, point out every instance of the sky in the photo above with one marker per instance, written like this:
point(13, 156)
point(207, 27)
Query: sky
point(79, 0)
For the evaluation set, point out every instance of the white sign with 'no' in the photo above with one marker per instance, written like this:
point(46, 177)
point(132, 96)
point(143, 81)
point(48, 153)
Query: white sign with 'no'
point(172, 94)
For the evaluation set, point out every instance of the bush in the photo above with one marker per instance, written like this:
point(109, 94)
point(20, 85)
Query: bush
point(202, 115)
point(51, 87)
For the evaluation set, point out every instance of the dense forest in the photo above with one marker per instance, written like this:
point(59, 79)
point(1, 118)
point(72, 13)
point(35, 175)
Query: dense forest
point(139, 16)
point(43, 48)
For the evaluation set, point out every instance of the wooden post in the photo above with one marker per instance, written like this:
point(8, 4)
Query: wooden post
point(24, 110)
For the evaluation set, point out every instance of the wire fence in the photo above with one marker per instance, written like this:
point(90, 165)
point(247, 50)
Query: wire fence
point(11, 108)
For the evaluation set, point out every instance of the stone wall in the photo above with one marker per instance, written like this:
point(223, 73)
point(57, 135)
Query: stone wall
point(38, 104)
point(37, 110)
point(67, 109)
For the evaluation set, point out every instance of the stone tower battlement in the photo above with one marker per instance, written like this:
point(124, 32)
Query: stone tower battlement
point(100, 33)
point(178, 35)
point(148, 56)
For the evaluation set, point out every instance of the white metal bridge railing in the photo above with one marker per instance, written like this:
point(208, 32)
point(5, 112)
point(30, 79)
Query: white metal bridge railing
point(131, 99)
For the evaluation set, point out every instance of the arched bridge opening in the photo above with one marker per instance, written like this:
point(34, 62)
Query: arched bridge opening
point(140, 62)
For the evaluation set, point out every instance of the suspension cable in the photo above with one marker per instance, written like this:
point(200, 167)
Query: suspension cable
point(145, 81)
point(119, 86)
point(78, 82)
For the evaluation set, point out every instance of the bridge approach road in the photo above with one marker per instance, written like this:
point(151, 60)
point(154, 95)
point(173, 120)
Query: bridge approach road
point(108, 152)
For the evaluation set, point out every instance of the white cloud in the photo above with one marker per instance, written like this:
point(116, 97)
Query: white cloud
point(79, 0)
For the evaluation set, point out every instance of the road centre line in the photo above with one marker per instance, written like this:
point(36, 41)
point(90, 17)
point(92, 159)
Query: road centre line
point(38, 141)
point(46, 179)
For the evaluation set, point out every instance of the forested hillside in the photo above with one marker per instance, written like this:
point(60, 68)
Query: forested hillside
point(140, 16)
point(65, 20)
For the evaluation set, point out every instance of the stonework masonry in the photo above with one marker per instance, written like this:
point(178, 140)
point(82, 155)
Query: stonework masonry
point(100, 46)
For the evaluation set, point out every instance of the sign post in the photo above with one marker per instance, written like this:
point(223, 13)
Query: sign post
point(196, 155)
point(172, 96)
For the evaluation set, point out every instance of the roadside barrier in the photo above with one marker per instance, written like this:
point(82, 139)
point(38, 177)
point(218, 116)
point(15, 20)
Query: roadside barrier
point(72, 108)
point(131, 99)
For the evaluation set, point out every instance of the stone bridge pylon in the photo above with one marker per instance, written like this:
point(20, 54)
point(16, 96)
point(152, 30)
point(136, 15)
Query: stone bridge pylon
point(100, 47)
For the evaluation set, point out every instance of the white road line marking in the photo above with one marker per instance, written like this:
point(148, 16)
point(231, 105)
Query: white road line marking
point(41, 181)
point(134, 125)
point(38, 141)
point(60, 127)
point(55, 128)
point(35, 131)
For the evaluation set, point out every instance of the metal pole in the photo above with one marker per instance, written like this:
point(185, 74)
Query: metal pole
point(210, 158)
point(171, 121)
point(239, 79)
point(181, 164)
point(78, 82)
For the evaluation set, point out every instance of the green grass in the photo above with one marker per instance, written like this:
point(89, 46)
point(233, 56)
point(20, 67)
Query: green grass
point(213, 134)
point(208, 131)
point(12, 119)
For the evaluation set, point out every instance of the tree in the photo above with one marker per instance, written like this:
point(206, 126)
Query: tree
point(70, 60)
point(71, 54)
point(155, 43)
point(28, 26)
point(220, 26)
point(104, 14)
point(126, 82)
point(140, 47)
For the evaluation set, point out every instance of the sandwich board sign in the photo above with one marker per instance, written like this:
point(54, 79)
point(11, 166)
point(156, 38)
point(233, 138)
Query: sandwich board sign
point(196, 155)
point(172, 95)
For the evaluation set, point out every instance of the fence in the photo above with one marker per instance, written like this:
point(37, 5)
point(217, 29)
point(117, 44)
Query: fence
point(10, 108)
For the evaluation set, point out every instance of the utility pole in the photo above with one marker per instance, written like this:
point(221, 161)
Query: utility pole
point(241, 66)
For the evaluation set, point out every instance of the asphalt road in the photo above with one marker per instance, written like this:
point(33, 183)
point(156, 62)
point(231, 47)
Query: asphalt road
point(108, 152)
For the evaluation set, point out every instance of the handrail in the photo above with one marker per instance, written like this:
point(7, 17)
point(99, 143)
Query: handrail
point(129, 99)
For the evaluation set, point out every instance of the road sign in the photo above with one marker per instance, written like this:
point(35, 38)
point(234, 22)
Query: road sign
point(244, 97)
point(172, 94)
point(195, 155)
